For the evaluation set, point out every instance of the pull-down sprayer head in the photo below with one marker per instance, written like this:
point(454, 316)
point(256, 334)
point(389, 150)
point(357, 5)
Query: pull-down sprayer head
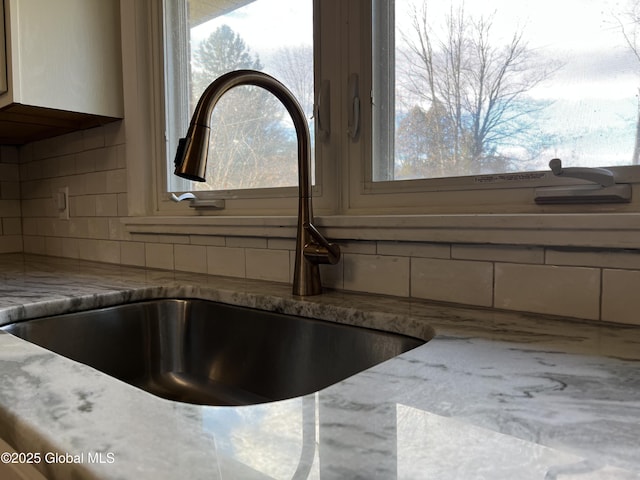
point(312, 248)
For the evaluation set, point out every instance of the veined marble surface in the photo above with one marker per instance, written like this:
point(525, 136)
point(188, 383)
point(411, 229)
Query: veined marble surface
point(493, 395)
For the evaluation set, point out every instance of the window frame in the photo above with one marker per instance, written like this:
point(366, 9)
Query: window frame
point(344, 167)
point(254, 201)
point(474, 194)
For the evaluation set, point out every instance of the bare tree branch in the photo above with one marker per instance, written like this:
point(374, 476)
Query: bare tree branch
point(480, 84)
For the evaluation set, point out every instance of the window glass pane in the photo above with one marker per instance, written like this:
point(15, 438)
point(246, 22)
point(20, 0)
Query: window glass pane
point(505, 86)
point(253, 141)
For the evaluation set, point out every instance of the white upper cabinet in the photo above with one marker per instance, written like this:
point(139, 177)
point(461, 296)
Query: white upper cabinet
point(64, 67)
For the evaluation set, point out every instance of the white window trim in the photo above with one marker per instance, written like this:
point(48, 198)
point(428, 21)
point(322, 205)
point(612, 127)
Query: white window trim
point(617, 230)
point(585, 226)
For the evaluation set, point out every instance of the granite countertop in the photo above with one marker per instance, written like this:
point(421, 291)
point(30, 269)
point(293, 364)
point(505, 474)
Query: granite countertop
point(492, 395)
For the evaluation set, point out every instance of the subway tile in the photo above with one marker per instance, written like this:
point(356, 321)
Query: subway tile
point(116, 181)
point(12, 226)
point(281, 243)
point(114, 133)
point(70, 248)
point(85, 162)
point(10, 190)
point(226, 261)
point(25, 160)
point(498, 253)
point(123, 206)
point(386, 275)
point(66, 165)
point(159, 255)
point(364, 247)
point(332, 276)
point(246, 242)
point(34, 244)
point(145, 237)
point(53, 246)
point(29, 208)
point(11, 243)
point(58, 227)
point(56, 146)
point(458, 281)
point(620, 299)
point(46, 227)
point(87, 249)
point(29, 226)
point(292, 264)
point(108, 160)
point(82, 206)
point(191, 258)
point(106, 205)
point(78, 227)
point(9, 154)
point(107, 251)
point(132, 253)
point(77, 185)
point(9, 172)
point(415, 249)
point(121, 151)
point(98, 228)
point(96, 182)
point(208, 240)
point(264, 264)
point(34, 189)
point(182, 239)
point(10, 208)
point(117, 230)
point(93, 138)
point(567, 291)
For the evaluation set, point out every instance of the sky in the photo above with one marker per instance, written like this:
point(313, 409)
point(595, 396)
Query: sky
point(288, 22)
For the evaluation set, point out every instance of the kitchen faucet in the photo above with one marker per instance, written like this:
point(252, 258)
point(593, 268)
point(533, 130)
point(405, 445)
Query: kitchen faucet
point(312, 249)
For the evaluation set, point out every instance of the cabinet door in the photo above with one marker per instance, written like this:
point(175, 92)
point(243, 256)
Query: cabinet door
point(3, 52)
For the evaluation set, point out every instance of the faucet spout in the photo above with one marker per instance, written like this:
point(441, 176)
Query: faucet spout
point(312, 248)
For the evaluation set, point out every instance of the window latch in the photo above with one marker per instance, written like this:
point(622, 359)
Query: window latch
point(199, 203)
point(354, 115)
point(322, 112)
point(596, 175)
point(602, 189)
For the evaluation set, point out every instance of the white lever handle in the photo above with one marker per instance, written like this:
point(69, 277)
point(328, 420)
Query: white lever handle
point(601, 176)
point(184, 196)
point(354, 115)
point(199, 204)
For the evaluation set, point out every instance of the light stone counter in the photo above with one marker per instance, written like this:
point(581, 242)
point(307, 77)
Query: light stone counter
point(494, 395)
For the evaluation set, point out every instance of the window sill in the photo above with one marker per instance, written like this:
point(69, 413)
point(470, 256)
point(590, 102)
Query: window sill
point(574, 230)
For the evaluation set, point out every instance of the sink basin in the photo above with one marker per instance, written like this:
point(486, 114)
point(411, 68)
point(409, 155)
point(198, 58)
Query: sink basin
point(210, 353)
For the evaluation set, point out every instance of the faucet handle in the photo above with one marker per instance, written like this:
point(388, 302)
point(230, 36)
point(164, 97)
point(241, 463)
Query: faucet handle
point(319, 254)
point(320, 250)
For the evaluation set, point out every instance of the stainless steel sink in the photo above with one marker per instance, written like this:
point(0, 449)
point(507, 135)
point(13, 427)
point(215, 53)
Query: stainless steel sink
point(210, 353)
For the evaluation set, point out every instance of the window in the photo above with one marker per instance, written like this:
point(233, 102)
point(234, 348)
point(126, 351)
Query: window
point(504, 89)
point(426, 106)
point(253, 139)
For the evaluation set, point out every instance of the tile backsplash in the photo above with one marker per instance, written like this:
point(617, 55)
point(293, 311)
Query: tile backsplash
point(584, 283)
point(10, 212)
